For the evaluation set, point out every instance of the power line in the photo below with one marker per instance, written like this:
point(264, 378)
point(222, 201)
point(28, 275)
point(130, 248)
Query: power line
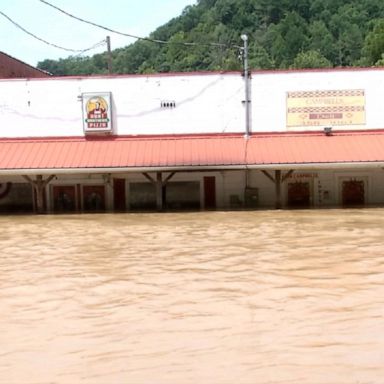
point(99, 44)
point(80, 51)
point(134, 36)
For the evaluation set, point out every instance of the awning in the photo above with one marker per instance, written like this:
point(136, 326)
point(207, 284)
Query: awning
point(205, 152)
point(317, 150)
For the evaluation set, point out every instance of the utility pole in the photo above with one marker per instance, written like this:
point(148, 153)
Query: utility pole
point(109, 52)
point(246, 79)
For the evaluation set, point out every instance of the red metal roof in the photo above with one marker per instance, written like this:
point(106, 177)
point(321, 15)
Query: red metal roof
point(317, 148)
point(123, 152)
point(191, 152)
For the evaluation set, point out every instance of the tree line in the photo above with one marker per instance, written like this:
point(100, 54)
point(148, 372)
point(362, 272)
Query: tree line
point(282, 34)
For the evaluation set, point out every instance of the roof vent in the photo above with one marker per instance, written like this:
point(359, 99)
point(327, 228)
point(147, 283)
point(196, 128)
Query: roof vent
point(168, 104)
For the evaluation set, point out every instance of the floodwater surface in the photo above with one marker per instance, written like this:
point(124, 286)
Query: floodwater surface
point(205, 297)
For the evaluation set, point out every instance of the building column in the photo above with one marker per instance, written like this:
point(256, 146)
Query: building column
point(278, 180)
point(160, 185)
point(278, 202)
point(159, 192)
point(39, 185)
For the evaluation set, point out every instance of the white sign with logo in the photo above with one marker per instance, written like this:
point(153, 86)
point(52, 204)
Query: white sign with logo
point(97, 112)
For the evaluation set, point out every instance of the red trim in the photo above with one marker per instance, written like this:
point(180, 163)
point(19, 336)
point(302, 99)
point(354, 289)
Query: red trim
point(319, 133)
point(115, 138)
point(108, 138)
point(134, 75)
point(311, 70)
point(254, 72)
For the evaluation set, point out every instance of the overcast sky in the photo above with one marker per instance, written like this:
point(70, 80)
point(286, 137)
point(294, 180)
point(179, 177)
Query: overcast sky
point(135, 17)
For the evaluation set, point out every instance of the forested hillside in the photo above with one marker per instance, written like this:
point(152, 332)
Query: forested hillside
point(282, 34)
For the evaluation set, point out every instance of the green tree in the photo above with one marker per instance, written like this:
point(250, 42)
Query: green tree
point(282, 34)
point(286, 39)
point(321, 40)
point(345, 25)
point(373, 48)
point(380, 63)
point(259, 58)
point(311, 59)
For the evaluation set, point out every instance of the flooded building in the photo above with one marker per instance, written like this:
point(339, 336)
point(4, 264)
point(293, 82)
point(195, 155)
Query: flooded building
point(285, 139)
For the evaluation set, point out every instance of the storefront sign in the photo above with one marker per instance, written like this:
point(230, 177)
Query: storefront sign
point(299, 175)
point(326, 108)
point(97, 112)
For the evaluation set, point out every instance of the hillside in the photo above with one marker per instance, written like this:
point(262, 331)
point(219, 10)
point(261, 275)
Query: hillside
point(282, 34)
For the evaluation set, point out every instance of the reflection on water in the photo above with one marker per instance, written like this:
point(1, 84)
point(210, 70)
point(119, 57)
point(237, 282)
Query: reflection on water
point(208, 297)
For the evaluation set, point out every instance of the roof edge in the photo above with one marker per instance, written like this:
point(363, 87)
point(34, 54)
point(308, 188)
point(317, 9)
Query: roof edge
point(253, 72)
point(254, 135)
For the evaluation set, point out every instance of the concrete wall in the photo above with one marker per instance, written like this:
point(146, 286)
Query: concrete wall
point(269, 95)
point(203, 102)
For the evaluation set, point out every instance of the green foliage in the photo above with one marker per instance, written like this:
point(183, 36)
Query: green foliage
point(311, 59)
point(373, 49)
point(282, 34)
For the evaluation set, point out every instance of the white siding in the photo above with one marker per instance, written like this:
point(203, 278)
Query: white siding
point(269, 92)
point(205, 102)
point(210, 103)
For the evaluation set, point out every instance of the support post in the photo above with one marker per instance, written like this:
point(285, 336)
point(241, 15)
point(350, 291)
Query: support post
point(268, 175)
point(278, 180)
point(160, 186)
point(39, 188)
point(39, 184)
point(288, 175)
point(278, 188)
point(159, 191)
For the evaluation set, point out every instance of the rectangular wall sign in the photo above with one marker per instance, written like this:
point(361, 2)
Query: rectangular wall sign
point(326, 108)
point(97, 112)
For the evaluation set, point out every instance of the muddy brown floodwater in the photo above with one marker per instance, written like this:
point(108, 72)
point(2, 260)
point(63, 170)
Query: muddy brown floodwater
point(202, 298)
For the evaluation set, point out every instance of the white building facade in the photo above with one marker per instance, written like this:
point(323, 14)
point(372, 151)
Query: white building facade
point(182, 141)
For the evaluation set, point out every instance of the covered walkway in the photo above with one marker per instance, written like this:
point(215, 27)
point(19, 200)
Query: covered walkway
point(39, 159)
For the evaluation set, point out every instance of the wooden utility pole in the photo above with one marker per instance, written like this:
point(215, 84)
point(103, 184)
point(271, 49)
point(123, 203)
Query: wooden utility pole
point(109, 52)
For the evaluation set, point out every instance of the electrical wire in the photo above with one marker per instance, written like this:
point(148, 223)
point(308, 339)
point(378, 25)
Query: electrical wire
point(134, 36)
point(99, 44)
point(80, 51)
